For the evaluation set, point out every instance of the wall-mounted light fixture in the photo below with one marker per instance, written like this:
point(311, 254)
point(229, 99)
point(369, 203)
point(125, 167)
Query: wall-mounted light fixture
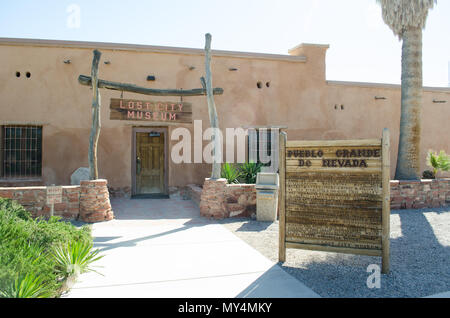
point(66, 61)
point(439, 101)
point(151, 78)
point(232, 69)
point(107, 62)
point(380, 97)
point(191, 68)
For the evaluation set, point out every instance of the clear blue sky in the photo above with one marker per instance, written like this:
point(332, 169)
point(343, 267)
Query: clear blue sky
point(362, 47)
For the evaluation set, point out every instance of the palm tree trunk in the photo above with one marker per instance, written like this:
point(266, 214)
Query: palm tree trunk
point(408, 160)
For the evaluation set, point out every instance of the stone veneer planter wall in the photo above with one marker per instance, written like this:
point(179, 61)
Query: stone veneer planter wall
point(221, 200)
point(34, 200)
point(425, 193)
point(88, 202)
point(94, 201)
point(217, 199)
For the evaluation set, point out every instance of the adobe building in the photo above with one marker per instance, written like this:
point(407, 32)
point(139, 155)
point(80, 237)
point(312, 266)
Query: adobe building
point(46, 114)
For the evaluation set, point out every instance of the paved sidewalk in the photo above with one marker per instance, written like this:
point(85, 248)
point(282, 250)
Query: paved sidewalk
point(440, 295)
point(163, 248)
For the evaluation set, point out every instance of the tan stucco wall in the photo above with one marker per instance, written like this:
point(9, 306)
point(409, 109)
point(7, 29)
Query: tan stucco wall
point(364, 116)
point(298, 97)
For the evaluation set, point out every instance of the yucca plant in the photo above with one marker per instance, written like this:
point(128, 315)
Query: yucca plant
point(249, 170)
point(74, 258)
point(230, 173)
point(28, 286)
point(438, 161)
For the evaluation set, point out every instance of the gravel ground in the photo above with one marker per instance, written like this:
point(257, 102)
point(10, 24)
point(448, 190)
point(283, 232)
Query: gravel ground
point(420, 257)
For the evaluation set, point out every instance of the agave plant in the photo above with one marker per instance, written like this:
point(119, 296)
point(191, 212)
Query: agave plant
point(28, 286)
point(438, 162)
point(74, 258)
point(230, 173)
point(249, 170)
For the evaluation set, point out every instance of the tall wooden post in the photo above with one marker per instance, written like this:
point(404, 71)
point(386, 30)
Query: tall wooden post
point(386, 209)
point(214, 121)
point(282, 198)
point(95, 129)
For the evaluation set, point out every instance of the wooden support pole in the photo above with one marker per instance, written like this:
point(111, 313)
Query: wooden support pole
point(95, 128)
point(87, 81)
point(386, 174)
point(203, 81)
point(282, 198)
point(214, 121)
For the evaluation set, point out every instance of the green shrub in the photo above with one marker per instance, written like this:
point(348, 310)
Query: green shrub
point(25, 246)
point(428, 174)
point(11, 208)
point(249, 170)
point(28, 286)
point(230, 173)
point(438, 161)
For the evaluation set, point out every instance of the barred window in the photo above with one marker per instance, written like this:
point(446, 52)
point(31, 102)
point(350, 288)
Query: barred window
point(21, 151)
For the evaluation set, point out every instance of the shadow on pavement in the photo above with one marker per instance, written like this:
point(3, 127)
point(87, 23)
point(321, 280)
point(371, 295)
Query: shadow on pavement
point(274, 283)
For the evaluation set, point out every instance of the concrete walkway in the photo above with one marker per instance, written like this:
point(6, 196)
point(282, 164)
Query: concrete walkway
point(163, 248)
point(440, 295)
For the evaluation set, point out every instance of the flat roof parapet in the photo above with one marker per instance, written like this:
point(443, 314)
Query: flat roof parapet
point(304, 48)
point(145, 48)
point(385, 85)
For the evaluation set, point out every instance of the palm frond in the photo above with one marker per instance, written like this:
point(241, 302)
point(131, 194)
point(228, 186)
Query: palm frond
point(402, 14)
point(443, 161)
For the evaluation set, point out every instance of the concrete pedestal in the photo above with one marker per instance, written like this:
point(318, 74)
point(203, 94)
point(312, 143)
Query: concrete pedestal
point(266, 205)
point(266, 196)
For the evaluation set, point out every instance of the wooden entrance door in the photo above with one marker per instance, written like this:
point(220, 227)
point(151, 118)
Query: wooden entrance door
point(150, 163)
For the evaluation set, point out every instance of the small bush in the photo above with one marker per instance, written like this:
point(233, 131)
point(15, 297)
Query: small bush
point(74, 258)
point(428, 174)
point(230, 173)
point(25, 245)
point(439, 162)
point(12, 209)
point(249, 170)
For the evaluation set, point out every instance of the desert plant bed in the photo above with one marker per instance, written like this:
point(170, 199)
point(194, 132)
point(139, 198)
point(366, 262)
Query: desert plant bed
point(39, 256)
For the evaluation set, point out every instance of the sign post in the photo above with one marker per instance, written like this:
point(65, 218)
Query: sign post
point(336, 196)
point(54, 195)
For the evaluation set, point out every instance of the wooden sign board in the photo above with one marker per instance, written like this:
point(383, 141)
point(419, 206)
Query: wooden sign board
point(335, 196)
point(54, 194)
point(151, 111)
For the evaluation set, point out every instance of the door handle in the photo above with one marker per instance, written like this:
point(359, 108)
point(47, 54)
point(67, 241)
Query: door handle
point(138, 165)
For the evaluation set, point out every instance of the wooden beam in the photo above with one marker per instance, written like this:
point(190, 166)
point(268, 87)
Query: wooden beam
point(95, 129)
point(333, 143)
point(386, 212)
point(344, 250)
point(214, 121)
point(203, 81)
point(86, 80)
point(282, 198)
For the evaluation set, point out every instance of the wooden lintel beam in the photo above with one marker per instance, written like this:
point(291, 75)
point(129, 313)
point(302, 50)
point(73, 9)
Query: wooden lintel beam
point(86, 80)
